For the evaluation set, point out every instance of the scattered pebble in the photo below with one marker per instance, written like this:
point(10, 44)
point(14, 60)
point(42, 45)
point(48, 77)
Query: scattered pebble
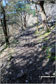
point(26, 81)
point(30, 62)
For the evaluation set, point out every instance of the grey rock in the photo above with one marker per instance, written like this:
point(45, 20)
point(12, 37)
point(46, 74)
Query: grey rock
point(45, 44)
point(54, 74)
point(46, 73)
point(50, 9)
point(30, 62)
point(20, 74)
point(26, 81)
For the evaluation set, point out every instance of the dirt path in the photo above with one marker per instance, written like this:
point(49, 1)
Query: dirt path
point(29, 60)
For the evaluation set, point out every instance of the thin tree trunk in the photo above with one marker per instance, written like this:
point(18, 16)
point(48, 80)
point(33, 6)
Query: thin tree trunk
point(5, 27)
point(36, 12)
point(24, 19)
point(22, 22)
point(36, 9)
point(43, 15)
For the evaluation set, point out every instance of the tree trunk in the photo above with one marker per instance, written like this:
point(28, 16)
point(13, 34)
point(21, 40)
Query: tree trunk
point(22, 22)
point(24, 19)
point(36, 13)
point(5, 27)
point(43, 15)
point(36, 9)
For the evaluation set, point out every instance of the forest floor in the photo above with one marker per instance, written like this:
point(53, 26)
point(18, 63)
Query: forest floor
point(27, 58)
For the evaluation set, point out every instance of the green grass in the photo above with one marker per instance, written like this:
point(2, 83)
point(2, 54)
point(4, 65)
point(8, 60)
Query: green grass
point(45, 39)
point(36, 32)
point(44, 35)
point(44, 47)
point(48, 30)
point(48, 53)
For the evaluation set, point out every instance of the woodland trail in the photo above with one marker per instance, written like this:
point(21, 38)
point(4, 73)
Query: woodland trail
point(29, 60)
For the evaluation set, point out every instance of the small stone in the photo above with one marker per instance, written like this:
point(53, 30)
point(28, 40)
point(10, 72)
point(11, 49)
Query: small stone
point(21, 71)
point(40, 45)
point(11, 39)
point(8, 66)
point(26, 81)
point(49, 49)
point(54, 74)
point(10, 73)
point(46, 73)
point(45, 44)
point(30, 62)
point(6, 72)
point(20, 74)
